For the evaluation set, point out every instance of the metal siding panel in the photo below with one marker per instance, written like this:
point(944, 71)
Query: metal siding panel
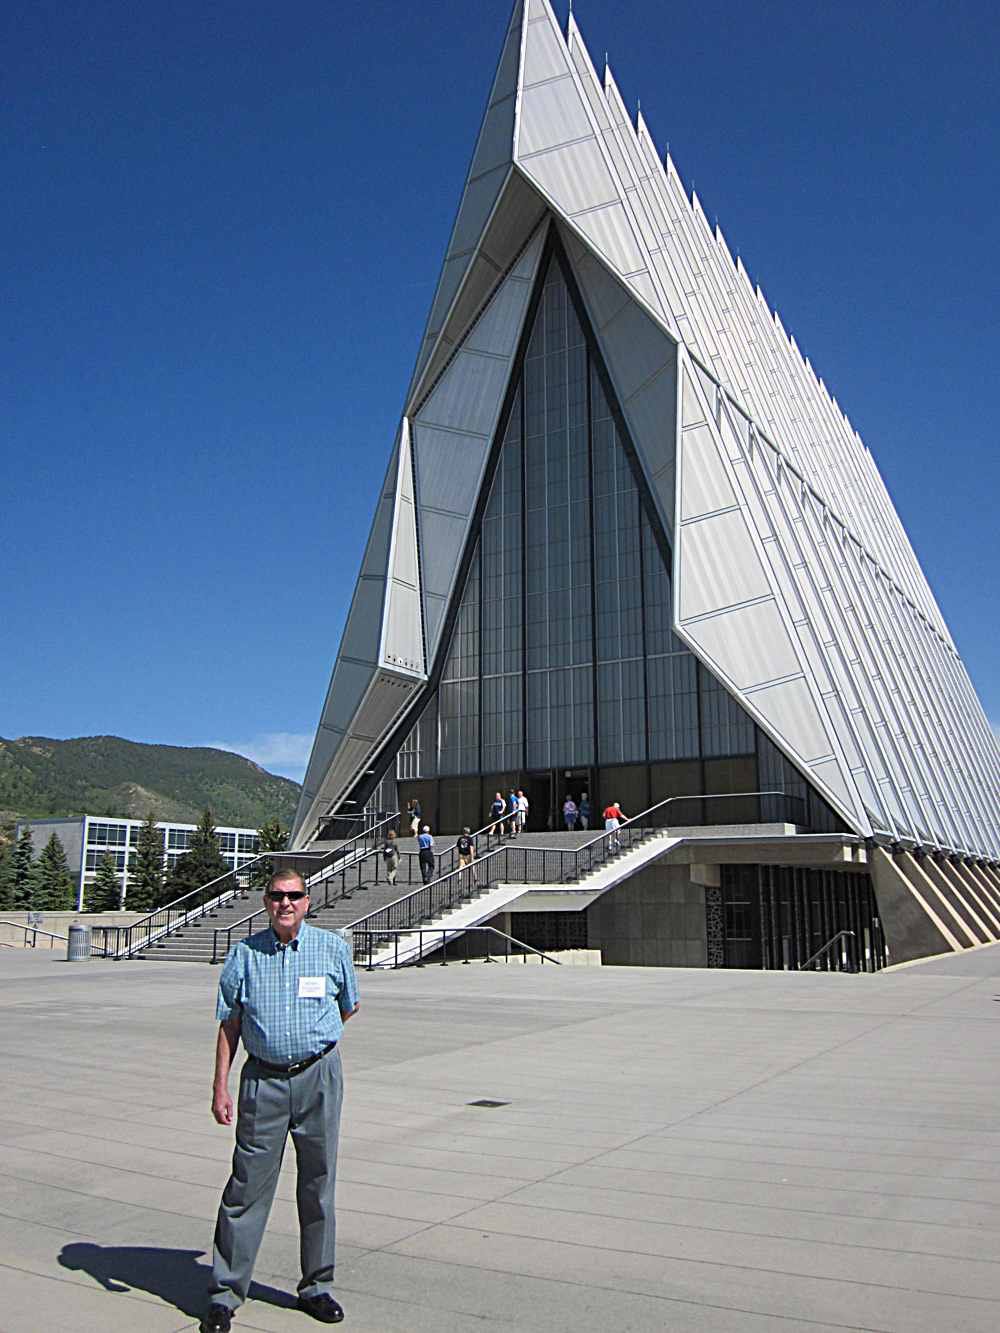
point(791, 711)
point(720, 566)
point(572, 178)
point(551, 114)
point(749, 645)
point(705, 487)
point(545, 54)
point(609, 230)
point(449, 467)
point(467, 396)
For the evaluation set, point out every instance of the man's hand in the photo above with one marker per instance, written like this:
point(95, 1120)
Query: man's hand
point(222, 1106)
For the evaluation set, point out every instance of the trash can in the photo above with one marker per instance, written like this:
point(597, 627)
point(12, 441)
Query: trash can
point(79, 943)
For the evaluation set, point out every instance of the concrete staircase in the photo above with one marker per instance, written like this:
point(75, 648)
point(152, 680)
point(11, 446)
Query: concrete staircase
point(489, 899)
point(366, 892)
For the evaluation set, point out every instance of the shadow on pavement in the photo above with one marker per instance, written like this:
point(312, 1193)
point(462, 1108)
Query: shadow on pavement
point(175, 1276)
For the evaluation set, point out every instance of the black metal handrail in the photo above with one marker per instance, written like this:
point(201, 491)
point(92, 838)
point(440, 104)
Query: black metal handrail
point(342, 882)
point(824, 948)
point(197, 902)
point(510, 864)
point(444, 933)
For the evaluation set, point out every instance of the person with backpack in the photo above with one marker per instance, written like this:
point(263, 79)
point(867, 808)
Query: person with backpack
point(466, 848)
point(390, 855)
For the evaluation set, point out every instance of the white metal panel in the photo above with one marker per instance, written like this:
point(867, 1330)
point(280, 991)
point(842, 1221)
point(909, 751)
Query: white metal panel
point(789, 709)
point(706, 486)
point(544, 54)
point(746, 646)
point(572, 177)
point(720, 566)
point(551, 114)
point(610, 232)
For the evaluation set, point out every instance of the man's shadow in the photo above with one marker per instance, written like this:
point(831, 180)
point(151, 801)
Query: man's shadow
point(175, 1276)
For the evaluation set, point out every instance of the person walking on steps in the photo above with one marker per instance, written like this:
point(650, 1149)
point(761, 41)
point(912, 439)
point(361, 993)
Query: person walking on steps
point(466, 848)
point(413, 813)
point(390, 855)
point(496, 814)
point(613, 817)
point(425, 842)
point(286, 992)
point(513, 813)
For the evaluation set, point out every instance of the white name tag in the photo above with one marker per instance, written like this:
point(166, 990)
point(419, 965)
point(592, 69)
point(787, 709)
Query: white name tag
point(312, 988)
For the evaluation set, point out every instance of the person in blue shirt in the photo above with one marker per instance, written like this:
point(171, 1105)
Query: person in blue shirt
point(425, 856)
point(286, 992)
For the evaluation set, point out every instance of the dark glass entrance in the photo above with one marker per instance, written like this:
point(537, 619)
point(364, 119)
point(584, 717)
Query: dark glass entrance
point(560, 653)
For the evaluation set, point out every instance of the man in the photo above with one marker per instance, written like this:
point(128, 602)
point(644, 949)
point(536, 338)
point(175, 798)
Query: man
point(613, 817)
point(287, 991)
point(425, 843)
point(522, 811)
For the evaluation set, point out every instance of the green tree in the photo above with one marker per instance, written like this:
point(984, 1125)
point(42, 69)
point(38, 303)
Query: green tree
point(8, 833)
point(273, 837)
point(54, 887)
point(105, 894)
point(23, 872)
point(145, 878)
point(202, 862)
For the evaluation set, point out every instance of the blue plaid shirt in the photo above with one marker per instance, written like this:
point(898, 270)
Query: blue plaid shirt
point(260, 983)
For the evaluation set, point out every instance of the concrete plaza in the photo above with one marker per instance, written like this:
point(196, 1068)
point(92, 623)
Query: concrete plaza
point(724, 1151)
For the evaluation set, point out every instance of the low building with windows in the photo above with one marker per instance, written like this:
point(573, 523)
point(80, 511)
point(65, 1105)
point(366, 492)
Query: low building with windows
point(88, 838)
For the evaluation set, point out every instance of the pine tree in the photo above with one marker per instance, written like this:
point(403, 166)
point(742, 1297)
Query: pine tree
point(7, 837)
point(273, 837)
point(105, 894)
point(23, 872)
point(202, 862)
point(54, 888)
point(145, 879)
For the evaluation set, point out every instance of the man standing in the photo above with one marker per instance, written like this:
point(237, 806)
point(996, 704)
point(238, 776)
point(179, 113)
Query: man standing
point(425, 843)
point(287, 991)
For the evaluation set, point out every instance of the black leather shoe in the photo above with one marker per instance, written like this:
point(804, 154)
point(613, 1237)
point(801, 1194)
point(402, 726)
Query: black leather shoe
point(218, 1320)
point(323, 1307)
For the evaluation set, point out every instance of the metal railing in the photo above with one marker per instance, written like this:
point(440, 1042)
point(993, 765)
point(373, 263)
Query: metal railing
point(96, 950)
point(439, 940)
point(825, 948)
point(512, 864)
point(224, 888)
point(340, 874)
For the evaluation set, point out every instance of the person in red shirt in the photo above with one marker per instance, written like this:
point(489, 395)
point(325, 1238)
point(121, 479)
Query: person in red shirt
point(613, 816)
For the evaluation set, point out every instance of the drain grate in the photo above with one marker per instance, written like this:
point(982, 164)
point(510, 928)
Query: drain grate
point(486, 1102)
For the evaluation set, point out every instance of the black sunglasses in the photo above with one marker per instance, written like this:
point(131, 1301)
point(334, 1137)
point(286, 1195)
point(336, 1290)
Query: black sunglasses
point(293, 896)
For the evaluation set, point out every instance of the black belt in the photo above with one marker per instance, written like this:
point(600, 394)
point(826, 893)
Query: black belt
point(287, 1070)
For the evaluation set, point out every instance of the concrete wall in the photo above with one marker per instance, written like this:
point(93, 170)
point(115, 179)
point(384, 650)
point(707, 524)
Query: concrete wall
point(59, 923)
point(654, 919)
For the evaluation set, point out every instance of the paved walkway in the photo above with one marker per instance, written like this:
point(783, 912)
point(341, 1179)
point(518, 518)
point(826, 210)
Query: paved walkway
point(682, 1150)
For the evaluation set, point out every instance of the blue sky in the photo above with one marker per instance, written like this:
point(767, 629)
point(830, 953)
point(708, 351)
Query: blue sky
point(222, 232)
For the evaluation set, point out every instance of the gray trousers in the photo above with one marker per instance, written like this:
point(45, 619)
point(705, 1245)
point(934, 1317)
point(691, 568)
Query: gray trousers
point(307, 1106)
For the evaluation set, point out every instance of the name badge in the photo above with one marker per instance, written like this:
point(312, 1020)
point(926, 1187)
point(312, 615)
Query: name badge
point(312, 988)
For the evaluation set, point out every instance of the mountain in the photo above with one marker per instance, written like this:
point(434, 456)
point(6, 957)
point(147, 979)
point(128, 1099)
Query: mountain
point(105, 775)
